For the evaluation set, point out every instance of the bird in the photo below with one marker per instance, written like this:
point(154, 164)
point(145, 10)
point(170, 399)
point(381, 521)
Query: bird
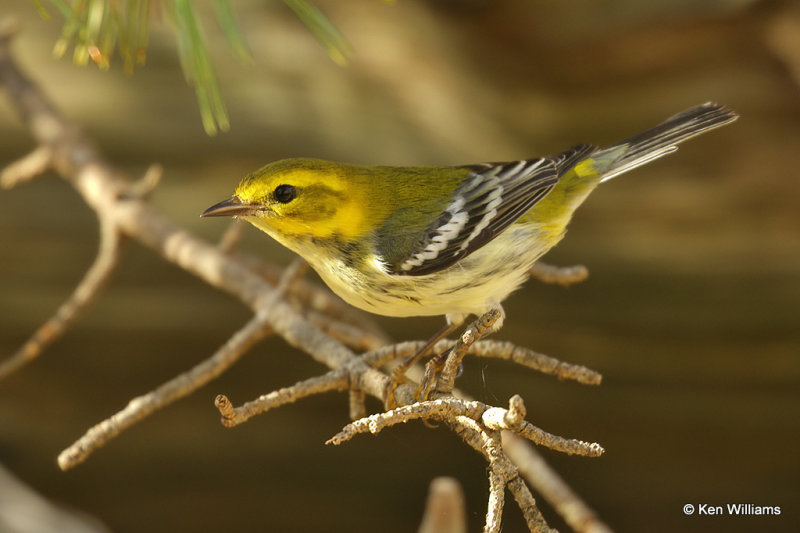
point(407, 241)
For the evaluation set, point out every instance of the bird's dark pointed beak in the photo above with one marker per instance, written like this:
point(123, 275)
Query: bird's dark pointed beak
point(233, 206)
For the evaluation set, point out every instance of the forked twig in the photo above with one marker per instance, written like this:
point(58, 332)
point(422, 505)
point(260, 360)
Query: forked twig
point(123, 212)
point(491, 418)
point(551, 486)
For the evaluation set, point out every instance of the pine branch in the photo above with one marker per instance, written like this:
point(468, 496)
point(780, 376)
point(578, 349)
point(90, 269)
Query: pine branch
point(96, 29)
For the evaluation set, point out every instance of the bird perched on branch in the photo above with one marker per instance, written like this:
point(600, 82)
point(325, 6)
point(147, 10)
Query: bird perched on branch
point(454, 241)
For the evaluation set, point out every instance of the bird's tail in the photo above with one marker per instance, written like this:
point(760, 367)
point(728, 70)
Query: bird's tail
point(662, 139)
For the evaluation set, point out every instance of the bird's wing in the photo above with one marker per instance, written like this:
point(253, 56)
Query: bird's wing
point(491, 198)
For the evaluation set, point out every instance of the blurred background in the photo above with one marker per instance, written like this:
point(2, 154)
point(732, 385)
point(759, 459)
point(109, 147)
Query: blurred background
point(690, 311)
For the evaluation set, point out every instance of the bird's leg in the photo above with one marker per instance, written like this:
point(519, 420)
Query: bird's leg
point(399, 373)
point(442, 370)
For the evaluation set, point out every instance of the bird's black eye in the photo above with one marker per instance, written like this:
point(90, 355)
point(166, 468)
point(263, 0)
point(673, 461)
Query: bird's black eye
point(285, 193)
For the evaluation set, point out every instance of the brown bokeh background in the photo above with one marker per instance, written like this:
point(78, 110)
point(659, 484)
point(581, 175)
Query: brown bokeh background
point(690, 312)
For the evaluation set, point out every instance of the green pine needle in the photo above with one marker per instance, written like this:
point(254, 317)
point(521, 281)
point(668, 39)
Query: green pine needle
point(95, 29)
point(326, 33)
point(198, 69)
point(230, 27)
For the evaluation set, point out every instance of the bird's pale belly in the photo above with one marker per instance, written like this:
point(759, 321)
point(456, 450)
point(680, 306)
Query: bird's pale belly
point(472, 286)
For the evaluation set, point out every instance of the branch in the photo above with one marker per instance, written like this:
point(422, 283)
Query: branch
point(92, 282)
point(120, 206)
point(27, 168)
point(445, 510)
point(490, 418)
point(333, 380)
point(496, 350)
point(176, 388)
point(551, 486)
point(474, 332)
point(564, 276)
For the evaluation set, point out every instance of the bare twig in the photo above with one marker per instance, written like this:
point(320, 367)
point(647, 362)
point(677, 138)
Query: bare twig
point(178, 387)
point(24, 510)
point(232, 236)
point(443, 409)
point(445, 511)
point(486, 443)
point(333, 380)
point(32, 165)
point(121, 206)
point(291, 276)
point(554, 442)
point(564, 276)
point(551, 486)
point(494, 514)
point(92, 282)
point(358, 406)
point(148, 183)
point(527, 503)
point(539, 362)
point(501, 470)
point(495, 350)
point(348, 334)
point(491, 418)
point(447, 378)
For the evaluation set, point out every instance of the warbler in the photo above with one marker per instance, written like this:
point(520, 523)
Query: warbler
point(439, 240)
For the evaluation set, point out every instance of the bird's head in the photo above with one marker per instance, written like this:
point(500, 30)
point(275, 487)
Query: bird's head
point(300, 198)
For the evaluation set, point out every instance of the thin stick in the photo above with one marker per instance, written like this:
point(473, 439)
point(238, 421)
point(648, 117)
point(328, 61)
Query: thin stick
point(357, 403)
point(494, 513)
point(445, 510)
point(333, 380)
point(539, 362)
point(495, 350)
point(291, 276)
point(551, 486)
point(475, 331)
point(231, 236)
point(527, 504)
point(443, 409)
point(348, 334)
point(143, 187)
point(32, 165)
point(176, 388)
point(93, 281)
point(564, 276)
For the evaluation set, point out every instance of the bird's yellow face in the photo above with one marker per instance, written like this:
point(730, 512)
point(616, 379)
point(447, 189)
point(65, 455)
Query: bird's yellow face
point(298, 198)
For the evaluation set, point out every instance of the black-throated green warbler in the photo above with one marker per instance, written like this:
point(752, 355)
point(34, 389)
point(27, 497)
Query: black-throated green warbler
point(411, 241)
